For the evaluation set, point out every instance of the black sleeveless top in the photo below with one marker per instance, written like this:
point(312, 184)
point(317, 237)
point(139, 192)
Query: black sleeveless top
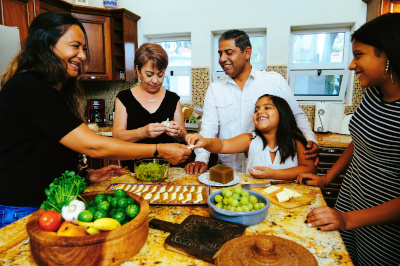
point(140, 117)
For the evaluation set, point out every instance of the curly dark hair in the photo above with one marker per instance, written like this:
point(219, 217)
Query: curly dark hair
point(287, 131)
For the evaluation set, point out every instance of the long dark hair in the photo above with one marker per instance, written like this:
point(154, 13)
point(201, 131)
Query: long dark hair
point(383, 33)
point(37, 57)
point(287, 131)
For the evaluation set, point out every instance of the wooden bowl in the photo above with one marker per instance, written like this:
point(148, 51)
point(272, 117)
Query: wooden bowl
point(108, 248)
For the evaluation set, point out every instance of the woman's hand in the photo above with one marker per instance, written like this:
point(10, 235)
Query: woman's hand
point(311, 180)
point(154, 130)
point(196, 140)
point(261, 172)
point(326, 219)
point(174, 130)
point(173, 152)
point(105, 173)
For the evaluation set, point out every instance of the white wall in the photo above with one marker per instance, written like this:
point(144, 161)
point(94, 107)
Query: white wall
point(200, 18)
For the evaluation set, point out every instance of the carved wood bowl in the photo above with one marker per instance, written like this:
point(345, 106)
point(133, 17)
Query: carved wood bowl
point(108, 248)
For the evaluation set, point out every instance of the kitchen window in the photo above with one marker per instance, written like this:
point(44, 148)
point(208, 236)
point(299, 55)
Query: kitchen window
point(258, 54)
point(318, 64)
point(178, 73)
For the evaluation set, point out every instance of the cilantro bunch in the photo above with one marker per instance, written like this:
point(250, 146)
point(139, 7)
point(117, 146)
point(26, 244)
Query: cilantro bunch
point(63, 190)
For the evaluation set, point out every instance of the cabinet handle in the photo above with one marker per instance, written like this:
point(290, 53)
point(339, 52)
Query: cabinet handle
point(328, 193)
point(94, 77)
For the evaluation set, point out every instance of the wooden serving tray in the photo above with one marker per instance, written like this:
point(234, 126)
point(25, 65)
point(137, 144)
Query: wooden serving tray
point(198, 236)
point(158, 194)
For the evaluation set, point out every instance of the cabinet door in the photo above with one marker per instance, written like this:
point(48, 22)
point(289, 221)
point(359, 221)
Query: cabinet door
point(390, 6)
point(99, 39)
point(18, 13)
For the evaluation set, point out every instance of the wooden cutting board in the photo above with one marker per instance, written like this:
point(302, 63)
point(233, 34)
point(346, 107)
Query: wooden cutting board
point(198, 236)
point(308, 196)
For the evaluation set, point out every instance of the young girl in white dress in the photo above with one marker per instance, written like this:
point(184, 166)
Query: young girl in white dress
point(275, 149)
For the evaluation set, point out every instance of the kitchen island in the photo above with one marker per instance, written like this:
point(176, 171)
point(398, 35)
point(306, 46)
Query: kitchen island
point(327, 247)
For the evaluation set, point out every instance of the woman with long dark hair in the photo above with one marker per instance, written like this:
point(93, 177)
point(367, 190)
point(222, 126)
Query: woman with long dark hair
point(42, 129)
point(367, 211)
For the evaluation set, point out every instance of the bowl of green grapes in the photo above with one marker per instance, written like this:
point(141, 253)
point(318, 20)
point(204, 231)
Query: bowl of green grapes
point(240, 206)
point(151, 170)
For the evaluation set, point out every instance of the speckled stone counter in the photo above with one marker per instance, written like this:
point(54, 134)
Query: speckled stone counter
point(327, 247)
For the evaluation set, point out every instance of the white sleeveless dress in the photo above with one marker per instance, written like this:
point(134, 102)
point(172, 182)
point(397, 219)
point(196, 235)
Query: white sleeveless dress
point(259, 157)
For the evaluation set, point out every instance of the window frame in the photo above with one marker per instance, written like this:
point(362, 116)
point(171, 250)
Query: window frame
point(178, 70)
point(338, 68)
point(218, 72)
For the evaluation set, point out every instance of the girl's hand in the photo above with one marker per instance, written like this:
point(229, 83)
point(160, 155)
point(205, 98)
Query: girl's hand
point(196, 140)
point(326, 219)
point(105, 173)
point(154, 130)
point(261, 172)
point(174, 130)
point(311, 180)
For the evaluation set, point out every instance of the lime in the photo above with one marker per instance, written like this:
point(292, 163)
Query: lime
point(257, 206)
point(228, 194)
point(238, 209)
point(244, 200)
point(92, 209)
point(120, 193)
point(103, 206)
point(99, 198)
point(234, 203)
point(122, 202)
point(113, 202)
point(99, 214)
point(236, 196)
point(85, 216)
point(119, 216)
point(245, 193)
point(130, 201)
point(253, 199)
point(132, 210)
point(220, 205)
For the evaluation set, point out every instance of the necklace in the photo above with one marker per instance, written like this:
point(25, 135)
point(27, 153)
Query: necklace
point(272, 150)
point(151, 101)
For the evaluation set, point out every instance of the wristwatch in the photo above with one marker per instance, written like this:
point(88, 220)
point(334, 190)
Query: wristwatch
point(156, 152)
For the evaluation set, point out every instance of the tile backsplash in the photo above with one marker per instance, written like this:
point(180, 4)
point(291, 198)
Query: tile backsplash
point(200, 81)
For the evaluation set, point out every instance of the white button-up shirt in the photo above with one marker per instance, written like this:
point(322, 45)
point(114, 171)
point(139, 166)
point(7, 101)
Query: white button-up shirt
point(228, 111)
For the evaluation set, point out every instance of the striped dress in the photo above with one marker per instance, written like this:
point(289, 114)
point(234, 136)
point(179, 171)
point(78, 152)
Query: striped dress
point(373, 178)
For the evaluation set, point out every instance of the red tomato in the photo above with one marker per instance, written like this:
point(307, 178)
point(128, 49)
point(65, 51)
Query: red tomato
point(50, 221)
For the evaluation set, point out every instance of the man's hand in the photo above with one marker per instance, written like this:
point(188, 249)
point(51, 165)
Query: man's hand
point(105, 173)
point(326, 219)
point(312, 151)
point(195, 168)
point(173, 152)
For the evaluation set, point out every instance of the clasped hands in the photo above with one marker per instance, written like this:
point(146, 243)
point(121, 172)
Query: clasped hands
point(156, 129)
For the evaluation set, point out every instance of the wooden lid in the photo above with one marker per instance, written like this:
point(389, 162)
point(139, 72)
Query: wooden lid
point(263, 250)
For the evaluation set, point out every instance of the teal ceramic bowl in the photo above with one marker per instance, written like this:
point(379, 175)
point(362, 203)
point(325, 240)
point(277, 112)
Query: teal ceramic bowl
point(245, 218)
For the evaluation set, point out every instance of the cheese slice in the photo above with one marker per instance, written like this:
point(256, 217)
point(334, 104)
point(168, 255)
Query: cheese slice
point(282, 196)
point(199, 198)
point(162, 190)
point(157, 197)
point(289, 192)
point(293, 194)
point(271, 189)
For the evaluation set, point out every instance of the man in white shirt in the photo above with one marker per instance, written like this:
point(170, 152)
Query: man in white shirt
point(229, 102)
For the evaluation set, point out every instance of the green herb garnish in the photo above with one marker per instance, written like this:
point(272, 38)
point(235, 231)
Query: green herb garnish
point(63, 190)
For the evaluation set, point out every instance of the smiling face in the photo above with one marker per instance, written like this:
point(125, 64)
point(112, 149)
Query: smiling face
point(71, 48)
point(266, 116)
point(231, 59)
point(151, 78)
point(369, 66)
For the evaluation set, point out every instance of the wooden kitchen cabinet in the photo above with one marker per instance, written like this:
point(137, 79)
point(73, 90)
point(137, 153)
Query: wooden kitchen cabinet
point(18, 13)
point(99, 37)
point(327, 157)
point(112, 37)
point(390, 6)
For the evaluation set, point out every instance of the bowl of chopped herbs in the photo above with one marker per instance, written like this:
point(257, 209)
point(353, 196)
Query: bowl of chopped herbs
point(151, 170)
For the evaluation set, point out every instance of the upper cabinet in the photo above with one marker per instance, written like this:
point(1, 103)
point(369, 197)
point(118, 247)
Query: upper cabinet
point(18, 13)
point(390, 6)
point(376, 8)
point(112, 34)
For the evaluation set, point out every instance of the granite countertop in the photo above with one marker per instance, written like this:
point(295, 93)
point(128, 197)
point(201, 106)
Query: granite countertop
point(327, 247)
